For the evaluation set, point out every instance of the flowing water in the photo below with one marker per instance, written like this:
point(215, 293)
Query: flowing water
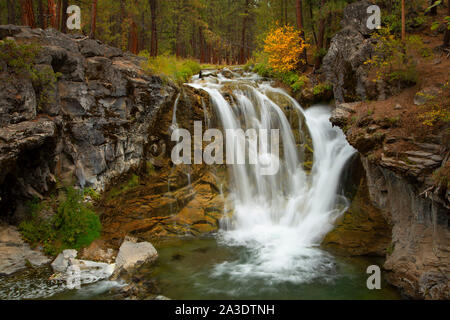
point(282, 218)
point(270, 247)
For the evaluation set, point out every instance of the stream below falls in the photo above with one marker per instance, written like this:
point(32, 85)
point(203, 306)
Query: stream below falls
point(270, 247)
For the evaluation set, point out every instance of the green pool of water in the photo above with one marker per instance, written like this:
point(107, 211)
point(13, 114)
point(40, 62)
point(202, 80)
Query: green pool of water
point(188, 270)
point(200, 269)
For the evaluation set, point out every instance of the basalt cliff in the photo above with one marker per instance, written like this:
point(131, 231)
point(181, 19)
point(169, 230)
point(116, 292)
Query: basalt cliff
point(405, 163)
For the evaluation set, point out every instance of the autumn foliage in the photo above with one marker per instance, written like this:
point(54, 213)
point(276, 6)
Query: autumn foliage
point(285, 46)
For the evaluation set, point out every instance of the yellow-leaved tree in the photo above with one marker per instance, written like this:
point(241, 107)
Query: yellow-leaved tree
point(285, 46)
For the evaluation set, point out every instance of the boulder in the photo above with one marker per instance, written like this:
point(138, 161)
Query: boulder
point(133, 254)
point(68, 268)
point(342, 112)
point(62, 261)
point(15, 254)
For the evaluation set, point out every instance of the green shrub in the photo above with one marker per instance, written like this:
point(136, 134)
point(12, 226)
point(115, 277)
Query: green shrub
point(321, 88)
point(77, 224)
point(73, 226)
point(394, 59)
point(18, 58)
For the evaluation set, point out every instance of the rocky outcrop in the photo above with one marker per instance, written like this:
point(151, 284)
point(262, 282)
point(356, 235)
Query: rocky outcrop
point(363, 229)
point(419, 261)
point(93, 127)
point(15, 254)
point(399, 172)
point(168, 201)
point(344, 65)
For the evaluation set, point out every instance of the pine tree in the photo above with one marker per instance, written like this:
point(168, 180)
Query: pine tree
point(93, 19)
point(27, 13)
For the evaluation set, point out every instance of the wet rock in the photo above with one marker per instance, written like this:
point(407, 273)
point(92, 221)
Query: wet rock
point(363, 229)
point(15, 254)
point(62, 261)
point(73, 271)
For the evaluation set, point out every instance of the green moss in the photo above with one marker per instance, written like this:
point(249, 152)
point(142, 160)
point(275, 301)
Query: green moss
point(74, 225)
point(390, 249)
point(131, 183)
point(94, 195)
point(150, 168)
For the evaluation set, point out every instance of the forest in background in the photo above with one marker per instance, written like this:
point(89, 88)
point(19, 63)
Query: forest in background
point(220, 32)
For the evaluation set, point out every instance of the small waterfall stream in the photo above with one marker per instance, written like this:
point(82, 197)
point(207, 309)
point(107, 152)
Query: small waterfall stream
point(280, 218)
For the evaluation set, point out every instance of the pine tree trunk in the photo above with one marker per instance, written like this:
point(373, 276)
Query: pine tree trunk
point(447, 31)
point(133, 44)
point(93, 19)
point(202, 47)
point(403, 21)
point(299, 11)
point(65, 4)
point(244, 31)
point(51, 11)
point(58, 15)
point(320, 39)
point(41, 15)
point(154, 38)
point(11, 11)
point(27, 13)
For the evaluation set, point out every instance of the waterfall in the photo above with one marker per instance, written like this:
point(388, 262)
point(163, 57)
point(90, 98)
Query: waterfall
point(282, 218)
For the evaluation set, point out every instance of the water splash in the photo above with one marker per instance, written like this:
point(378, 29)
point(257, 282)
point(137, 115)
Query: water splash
point(280, 219)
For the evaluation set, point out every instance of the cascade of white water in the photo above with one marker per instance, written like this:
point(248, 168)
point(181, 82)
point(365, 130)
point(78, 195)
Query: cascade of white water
point(175, 107)
point(280, 218)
